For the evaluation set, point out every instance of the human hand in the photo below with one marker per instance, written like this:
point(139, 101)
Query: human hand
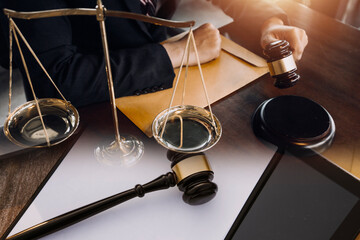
point(274, 29)
point(208, 45)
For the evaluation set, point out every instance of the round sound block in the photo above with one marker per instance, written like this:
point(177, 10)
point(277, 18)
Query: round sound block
point(294, 122)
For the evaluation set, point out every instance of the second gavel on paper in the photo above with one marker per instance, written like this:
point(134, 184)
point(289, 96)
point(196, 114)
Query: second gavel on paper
point(190, 172)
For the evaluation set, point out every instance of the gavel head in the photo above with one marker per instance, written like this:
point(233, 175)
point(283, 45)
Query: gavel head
point(281, 64)
point(194, 176)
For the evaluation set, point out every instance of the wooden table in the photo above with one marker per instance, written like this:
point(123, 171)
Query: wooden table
point(330, 75)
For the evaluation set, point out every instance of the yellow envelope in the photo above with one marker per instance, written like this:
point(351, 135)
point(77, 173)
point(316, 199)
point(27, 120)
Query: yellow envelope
point(223, 76)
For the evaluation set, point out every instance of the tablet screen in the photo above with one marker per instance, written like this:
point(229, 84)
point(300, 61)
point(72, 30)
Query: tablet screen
point(297, 202)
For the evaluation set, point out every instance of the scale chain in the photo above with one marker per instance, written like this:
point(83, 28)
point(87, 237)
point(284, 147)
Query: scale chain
point(10, 66)
point(36, 58)
point(202, 80)
point(187, 51)
point(176, 83)
point(30, 83)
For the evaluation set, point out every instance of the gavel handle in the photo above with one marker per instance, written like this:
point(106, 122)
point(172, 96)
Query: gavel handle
point(164, 181)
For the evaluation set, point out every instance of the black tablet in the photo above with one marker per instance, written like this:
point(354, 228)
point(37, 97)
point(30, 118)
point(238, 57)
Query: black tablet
point(300, 198)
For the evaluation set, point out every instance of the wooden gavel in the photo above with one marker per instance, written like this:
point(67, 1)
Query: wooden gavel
point(191, 173)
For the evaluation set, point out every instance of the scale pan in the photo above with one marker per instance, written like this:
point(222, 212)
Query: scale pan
point(199, 132)
point(23, 127)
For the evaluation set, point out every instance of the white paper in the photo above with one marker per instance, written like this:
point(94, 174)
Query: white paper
point(80, 179)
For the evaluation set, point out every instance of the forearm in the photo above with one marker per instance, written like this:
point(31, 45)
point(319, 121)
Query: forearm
point(208, 44)
point(263, 20)
point(254, 12)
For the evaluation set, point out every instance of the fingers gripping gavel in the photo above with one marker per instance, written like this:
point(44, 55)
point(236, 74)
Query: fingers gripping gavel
point(191, 173)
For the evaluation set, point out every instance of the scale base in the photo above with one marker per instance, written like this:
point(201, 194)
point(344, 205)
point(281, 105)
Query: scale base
point(128, 152)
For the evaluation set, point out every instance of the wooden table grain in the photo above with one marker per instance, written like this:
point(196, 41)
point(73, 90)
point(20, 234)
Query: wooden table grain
point(22, 175)
point(330, 75)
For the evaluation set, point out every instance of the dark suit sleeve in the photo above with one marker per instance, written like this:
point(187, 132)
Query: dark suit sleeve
point(80, 75)
point(82, 79)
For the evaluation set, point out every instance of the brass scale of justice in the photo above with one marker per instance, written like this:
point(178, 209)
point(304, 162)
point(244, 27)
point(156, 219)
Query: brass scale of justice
point(191, 173)
point(49, 121)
